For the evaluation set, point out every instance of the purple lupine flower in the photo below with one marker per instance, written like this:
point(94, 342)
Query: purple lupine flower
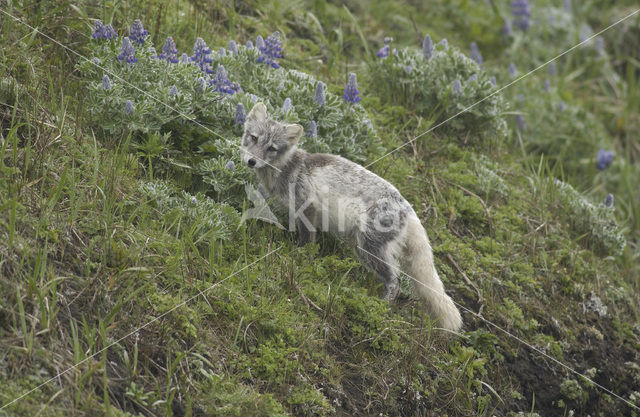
point(567, 5)
point(201, 85)
point(129, 108)
point(271, 51)
point(286, 106)
point(475, 53)
point(561, 106)
point(512, 70)
point(546, 86)
point(110, 32)
point(169, 51)
point(319, 97)
point(221, 83)
point(427, 47)
point(185, 59)
point(137, 33)
point(127, 52)
point(474, 77)
point(230, 166)
point(552, 68)
point(232, 47)
point(254, 98)
point(173, 91)
point(202, 56)
point(152, 52)
point(521, 98)
point(444, 43)
point(222, 52)
point(506, 27)
point(249, 45)
point(520, 123)
point(259, 42)
point(492, 80)
point(98, 30)
point(608, 201)
point(521, 12)
point(351, 93)
point(604, 159)
point(312, 130)
point(457, 87)
point(241, 115)
point(106, 82)
point(383, 52)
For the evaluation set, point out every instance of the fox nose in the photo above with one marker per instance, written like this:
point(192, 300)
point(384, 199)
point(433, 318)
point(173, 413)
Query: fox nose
point(251, 162)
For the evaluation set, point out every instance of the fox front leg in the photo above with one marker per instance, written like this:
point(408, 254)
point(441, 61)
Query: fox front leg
point(306, 226)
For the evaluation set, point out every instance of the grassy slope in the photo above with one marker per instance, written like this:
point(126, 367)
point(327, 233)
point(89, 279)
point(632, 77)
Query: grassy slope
point(86, 259)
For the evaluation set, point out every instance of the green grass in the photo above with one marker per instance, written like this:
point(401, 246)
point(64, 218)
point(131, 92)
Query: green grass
point(86, 257)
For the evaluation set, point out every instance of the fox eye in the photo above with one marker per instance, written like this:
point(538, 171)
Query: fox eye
point(271, 149)
point(254, 138)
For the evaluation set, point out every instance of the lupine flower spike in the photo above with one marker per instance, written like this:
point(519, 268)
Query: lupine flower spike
point(152, 52)
point(271, 50)
point(169, 51)
point(286, 106)
point(552, 68)
point(427, 47)
point(520, 123)
point(185, 59)
point(547, 86)
point(444, 43)
point(201, 85)
point(102, 31)
point(241, 115)
point(312, 130)
point(475, 53)
point(202, 56)
point(221, 83)
point(319, 97)
point(608, 201)
point(230, 166)
point(232, 47)
point(106, 83)
point(222, 52)
point(512, 70)
point(129, 109)
point(173, 91)
point(492, 80)
point(457, 87)
point(259, 42)
point(127, 52)
point(506, 27)
point(249, 45)
point(137, 33)
point(521, 13)
point(351, 93)
point(604, 159)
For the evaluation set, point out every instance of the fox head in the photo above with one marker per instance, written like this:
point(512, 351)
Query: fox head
point(266, 142)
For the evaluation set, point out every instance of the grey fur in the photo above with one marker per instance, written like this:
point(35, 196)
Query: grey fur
point(377, 220)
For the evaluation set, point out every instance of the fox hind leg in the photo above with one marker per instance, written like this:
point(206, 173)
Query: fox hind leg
point(379, 258)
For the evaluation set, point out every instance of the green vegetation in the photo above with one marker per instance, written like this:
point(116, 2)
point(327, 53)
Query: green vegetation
point(112, 219)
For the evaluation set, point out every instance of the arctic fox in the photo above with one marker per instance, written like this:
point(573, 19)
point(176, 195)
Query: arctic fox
point(331, 193)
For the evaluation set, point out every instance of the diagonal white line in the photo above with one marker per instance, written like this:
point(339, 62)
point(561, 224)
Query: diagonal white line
point(167, 105)
point(139, 328)
point(502, 88)
point(508, 333)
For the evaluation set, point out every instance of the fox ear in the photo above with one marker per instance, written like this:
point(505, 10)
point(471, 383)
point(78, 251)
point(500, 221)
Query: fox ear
point(293, 132)
point(258, 113)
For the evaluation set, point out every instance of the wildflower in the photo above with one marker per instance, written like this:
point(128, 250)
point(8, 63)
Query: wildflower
point(457, 87)
point(547, 86)
point(408, 69)
point(351, 93)
point(169, 51)
point(567, 5)
point(129, 109)
point(271, 51)
point(202, 56)
point(232, 47)
point(110, 33)
point(152, 52)
point(512, 70)
point(561, 106)
point(173, 91)
point(474, 77)
point(444, 43)
point(254, 98)
point(222, 52)
point(552, 68)
point(286, 106)
point(241, 115)
point(520, 123)
point(230, 165)
point(249, 45)
point(319, 96)
point(475, 53)
point(608, 201)
point(221, 83)
point(102, 31)
point(312, 130)
point(521, 98)
point(383, 52)
point(106, 83)
point(127, 52)
point(137, 33)
point(521, 13)
point(506, 27)
point(185, 59)
point(201, 85)
point(259, 42)
point(604, 159)
point(387, 40)
point(427, 47)
point(492, 80)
